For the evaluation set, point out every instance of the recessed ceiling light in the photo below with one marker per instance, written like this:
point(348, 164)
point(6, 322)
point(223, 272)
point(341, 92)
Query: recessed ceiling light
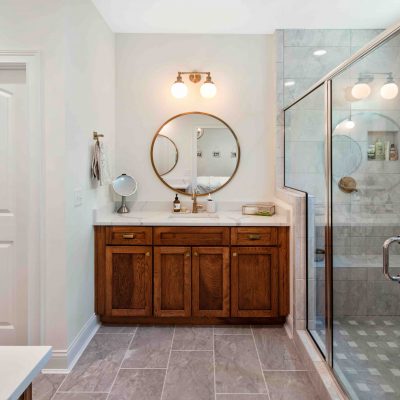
point(320, 52)
point(290, 83)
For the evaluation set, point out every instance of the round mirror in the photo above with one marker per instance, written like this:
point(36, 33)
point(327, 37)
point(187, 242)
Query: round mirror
point(165, 154)
point(208, 149)
point(124, 185)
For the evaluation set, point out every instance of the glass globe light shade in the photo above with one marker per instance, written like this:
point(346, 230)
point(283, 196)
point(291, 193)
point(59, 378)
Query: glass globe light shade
point(361, 90)
point(349, 124)
point(179, 90)
point(208, 90)
point(389, 90)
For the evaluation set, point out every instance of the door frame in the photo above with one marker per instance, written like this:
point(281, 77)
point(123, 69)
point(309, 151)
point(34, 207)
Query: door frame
point(35, 225)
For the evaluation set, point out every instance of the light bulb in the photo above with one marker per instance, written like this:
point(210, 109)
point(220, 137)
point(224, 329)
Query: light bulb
point(349, 124)
point(360, 90)
point(179, 90)
point(289, 83)
point(389, 91)
point(208, 90)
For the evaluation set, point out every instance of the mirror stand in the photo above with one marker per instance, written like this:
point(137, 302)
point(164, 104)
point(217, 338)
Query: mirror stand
point(124, 208)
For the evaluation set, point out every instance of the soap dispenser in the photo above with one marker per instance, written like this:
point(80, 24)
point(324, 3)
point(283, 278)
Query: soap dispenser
point(211, 207)
point(177, 204)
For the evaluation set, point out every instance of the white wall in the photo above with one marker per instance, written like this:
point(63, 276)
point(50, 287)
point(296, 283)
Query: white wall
point(241, 67)
point(77, 53)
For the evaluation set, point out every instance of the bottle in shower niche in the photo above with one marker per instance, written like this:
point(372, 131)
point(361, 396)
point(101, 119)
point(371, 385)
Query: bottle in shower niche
point(393, 155)
point(177, 204)
point(379, 150)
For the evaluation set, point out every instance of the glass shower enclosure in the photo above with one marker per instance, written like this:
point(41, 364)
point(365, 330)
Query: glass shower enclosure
point(341, 150)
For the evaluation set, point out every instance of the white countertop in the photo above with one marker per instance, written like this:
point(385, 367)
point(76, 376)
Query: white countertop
point(165, 218)
point(19, 365)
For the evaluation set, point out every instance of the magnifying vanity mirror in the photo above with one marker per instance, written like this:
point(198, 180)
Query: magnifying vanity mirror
point(208, 149)
point(124, 185)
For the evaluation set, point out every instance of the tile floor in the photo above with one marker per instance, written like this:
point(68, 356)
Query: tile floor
point(367, 356)
point(183, 363)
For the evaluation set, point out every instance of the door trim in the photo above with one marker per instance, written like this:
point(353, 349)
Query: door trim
point(35, 225)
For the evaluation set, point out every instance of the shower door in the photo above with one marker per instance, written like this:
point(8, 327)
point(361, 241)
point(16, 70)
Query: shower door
point(365, 198)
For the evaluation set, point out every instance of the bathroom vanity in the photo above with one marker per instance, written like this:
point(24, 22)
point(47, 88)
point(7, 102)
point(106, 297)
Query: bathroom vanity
point(192, 274)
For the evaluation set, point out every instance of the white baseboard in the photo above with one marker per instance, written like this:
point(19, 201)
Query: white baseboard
point(62, 361)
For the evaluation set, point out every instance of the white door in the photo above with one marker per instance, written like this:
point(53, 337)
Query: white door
point(13, 237)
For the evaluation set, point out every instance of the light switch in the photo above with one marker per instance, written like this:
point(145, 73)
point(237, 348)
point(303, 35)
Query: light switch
point(78, 197)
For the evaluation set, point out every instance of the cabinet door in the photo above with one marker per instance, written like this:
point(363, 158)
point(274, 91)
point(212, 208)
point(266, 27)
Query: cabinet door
point(254, 282)
point(172, 281)
point(210, 281)
point(128, 281)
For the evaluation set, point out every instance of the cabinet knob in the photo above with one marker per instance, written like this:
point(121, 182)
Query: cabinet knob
point(234, 254)
point(187, 255)
point(148, 254)
point(128, 235)
point(196, 254)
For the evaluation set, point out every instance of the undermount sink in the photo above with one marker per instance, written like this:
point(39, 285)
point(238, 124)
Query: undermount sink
point(194, 215)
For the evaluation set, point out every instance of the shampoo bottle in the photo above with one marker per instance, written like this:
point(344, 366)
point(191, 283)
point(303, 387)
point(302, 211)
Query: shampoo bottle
point(177, 204)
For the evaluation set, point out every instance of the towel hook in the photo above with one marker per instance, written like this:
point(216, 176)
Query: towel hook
point(96, 135)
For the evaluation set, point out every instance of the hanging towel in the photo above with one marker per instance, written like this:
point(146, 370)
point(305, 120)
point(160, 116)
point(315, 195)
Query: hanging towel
point(100, 170)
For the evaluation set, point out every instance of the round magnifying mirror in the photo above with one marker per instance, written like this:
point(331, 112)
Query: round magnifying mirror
point(124, 185)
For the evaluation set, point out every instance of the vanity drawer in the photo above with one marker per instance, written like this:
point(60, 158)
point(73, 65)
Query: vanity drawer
point(191, 236)
point(256, 236)
point(129, 235)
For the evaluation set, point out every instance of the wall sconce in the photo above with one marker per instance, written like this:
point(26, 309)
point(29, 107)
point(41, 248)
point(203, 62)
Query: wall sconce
point(208, 89)
point(361, 90)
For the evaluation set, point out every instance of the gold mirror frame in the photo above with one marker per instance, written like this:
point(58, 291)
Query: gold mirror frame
point(176, 155)
point(195, 113)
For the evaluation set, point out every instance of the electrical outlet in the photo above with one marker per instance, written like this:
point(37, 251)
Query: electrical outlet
point(78, 197)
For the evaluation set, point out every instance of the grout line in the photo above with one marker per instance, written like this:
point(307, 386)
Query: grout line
point(142, 368)
point(169, 358)
point(58, 389)
point(259, 360)
point(215, 386)
point(286, 370)
point(190, 350)
point(120, 365)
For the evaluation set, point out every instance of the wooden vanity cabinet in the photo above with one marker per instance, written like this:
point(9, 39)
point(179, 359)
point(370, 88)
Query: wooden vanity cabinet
point(192, 274)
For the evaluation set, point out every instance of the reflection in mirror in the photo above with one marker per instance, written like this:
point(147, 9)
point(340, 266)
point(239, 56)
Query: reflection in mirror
point(165, 154)
point(208, 151)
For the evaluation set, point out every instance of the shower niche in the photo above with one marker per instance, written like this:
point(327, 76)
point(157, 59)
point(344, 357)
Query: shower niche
point(383, 145)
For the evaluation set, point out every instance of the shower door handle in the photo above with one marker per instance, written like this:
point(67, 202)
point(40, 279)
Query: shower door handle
point(386, 246)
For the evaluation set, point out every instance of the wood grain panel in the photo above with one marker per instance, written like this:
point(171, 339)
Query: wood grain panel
point(284, 275)
point(172, 281)
point(129, 235)
point(129, 281)
point(254, 236)
point(191, 236)
point(210, 281)
point(254, 282)
point(100, 269)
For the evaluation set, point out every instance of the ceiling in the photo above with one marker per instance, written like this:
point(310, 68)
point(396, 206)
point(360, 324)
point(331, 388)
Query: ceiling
point(245, 16)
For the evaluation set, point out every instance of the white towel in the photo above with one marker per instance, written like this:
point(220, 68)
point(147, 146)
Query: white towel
point(100, 170)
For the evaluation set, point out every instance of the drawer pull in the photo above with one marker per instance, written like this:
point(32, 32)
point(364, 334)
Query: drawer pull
point(187, 255)
point(128, 235)
point(254, 237)
point(234, 254)
point(148, 254)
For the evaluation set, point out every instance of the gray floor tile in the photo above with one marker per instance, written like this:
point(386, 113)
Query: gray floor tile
point(276, 350)
point(80, 396)
point(232, 330)
point(150, 347)
point(242, 397)
point(237, 368)
point(45, 385)
point(98, 365)
point(190, 376)
point(143, 384)
point(193, 338)
point(290, 385)
point(116, 329)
